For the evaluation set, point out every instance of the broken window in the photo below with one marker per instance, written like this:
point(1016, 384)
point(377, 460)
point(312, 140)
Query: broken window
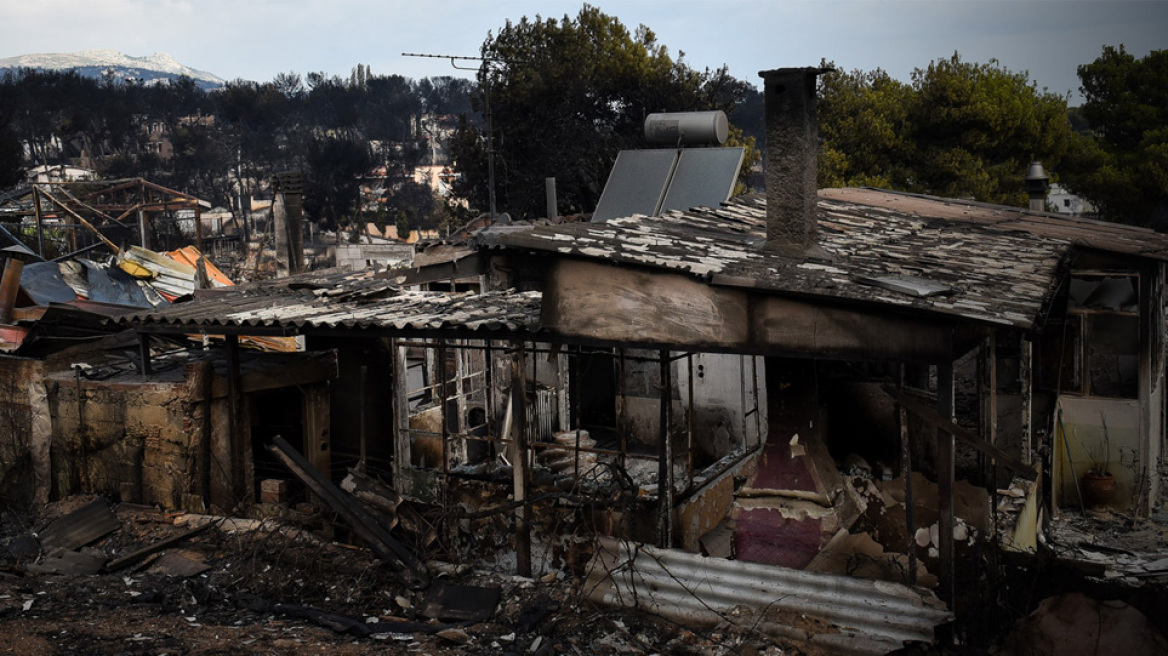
point(1094, 351)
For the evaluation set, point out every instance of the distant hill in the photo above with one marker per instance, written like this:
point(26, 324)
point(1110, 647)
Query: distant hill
point(159, 67)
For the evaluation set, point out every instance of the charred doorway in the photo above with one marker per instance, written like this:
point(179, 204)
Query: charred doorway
point(272, 413)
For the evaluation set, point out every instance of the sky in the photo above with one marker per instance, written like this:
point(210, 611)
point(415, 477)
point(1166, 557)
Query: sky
point(256, 39)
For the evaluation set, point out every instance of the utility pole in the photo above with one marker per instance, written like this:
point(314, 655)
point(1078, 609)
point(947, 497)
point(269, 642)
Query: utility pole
point(487, 102)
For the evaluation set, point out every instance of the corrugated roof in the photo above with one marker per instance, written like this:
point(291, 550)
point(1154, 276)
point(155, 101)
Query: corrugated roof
point(349, 300)
point(855, 616)
point(877, 255)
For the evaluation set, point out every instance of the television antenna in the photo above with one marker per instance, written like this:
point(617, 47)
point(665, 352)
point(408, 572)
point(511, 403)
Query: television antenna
point(454, 59)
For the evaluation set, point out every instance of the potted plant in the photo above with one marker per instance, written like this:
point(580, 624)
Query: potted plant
point(1098, 482)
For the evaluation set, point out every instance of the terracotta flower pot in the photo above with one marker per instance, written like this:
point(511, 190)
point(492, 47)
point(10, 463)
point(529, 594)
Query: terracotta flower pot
point(1098, 489)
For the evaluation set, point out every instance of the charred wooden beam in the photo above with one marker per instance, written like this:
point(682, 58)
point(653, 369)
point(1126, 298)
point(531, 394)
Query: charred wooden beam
point(665, 458)
point(235, 439)
point(412, 571)
point(937, 420)
point(946, 466)
point(519, 457)
point(135, 556)
point(909, 503)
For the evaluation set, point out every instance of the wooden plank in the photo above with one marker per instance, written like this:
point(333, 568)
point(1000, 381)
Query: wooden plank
point(304, 371)
point(389, 550)
point(135, 556)
point(235, 441)
point(316, 419)
point(88, 523)
point(401, 417)
point(936, 420)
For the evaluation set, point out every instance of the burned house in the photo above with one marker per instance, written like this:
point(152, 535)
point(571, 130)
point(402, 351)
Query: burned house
point(712, 382)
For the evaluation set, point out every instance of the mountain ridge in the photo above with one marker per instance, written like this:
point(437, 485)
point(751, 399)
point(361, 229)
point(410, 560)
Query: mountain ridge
point(151, 69)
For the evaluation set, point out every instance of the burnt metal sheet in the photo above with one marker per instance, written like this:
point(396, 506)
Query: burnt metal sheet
point(114, 286)
point(87, 524)
point(838, 613)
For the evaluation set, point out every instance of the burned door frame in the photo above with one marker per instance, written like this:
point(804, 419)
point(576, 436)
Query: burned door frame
point(226, 468)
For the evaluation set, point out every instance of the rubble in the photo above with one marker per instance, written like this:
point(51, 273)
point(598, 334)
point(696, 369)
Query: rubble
point(270, 587)
point(1076, 625)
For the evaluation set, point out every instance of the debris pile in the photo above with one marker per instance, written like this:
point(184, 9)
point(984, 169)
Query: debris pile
point(93, 577)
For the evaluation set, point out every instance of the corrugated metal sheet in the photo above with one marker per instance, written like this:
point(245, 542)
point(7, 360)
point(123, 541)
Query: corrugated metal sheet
point(545, 411)
point(350, 300)
point(996, 276)
point(840, 613)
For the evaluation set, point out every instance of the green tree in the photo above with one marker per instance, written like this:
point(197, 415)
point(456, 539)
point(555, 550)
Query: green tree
point(566, 96)
point(1121, 157)
point(865, 130)
point(959, 130)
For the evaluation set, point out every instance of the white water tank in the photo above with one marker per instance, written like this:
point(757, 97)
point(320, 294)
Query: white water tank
point(687, 128)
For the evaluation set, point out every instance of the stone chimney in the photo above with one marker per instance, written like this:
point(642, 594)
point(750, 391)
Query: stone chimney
point(792, 158)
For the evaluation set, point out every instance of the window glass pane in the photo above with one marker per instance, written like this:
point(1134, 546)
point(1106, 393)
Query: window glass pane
point(1113, 355)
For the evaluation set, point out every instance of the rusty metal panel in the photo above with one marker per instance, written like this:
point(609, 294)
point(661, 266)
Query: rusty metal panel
point(839, 613)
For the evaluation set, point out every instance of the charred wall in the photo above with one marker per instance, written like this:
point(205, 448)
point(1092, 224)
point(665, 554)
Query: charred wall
point(128, 441)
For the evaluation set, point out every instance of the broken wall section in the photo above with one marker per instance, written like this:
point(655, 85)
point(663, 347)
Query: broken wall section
point(23, 451)
point(130, 441)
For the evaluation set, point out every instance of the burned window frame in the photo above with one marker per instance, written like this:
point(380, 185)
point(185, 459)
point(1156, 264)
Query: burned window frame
point(1070, 360)
point(480, 376)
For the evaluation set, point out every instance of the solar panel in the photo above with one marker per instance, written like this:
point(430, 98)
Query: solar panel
point(636, 184)
point(703, 177)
